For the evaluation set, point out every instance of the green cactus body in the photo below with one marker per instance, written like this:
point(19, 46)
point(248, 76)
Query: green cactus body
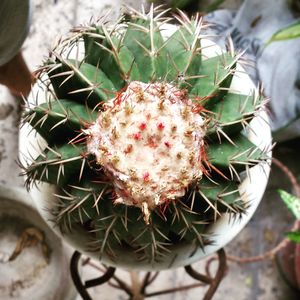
point(145, 137)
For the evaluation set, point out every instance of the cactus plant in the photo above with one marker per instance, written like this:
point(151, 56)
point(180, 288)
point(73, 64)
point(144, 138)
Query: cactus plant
point(145, 139)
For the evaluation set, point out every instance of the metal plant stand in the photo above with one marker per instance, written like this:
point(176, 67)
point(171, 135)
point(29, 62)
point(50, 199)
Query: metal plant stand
point(138, 291)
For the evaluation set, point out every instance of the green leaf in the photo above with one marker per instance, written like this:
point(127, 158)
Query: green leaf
point(100, 52)
point(58, 165)
point(287, 33)
point(238, 155)
point(221, 197)
point(217, 75)
point(292, 203)
point(146, 240)
point(75, 207)
point(233, 112)
point(226, 191)
point(128, 64)
point(107, 235)
point(294, 236)
point(60, 120)
point(187, 224)
point(145, 42)
point(185, 54)
point(80, 201)
point(121, 58)
point(93, 52)
point(81, 82)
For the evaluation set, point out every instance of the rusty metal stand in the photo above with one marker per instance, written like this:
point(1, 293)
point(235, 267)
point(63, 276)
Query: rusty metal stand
point(139, 291)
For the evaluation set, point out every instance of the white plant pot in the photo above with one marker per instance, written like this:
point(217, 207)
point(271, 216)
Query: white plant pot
point(224, 230)
point(30, 275)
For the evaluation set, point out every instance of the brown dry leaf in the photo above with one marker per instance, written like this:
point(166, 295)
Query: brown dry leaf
point(269, 235)
point(30, 237)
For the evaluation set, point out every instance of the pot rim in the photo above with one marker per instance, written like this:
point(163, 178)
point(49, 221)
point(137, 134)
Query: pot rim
point(18, 204)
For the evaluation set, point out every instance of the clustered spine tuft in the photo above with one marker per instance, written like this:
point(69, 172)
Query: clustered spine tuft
point(148, 141)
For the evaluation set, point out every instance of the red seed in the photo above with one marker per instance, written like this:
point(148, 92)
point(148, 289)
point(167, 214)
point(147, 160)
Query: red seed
point(146, 176)
point(137, 136)
point(160, 126)
point(128, 149)
point(143, 126)
point(167, 144)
